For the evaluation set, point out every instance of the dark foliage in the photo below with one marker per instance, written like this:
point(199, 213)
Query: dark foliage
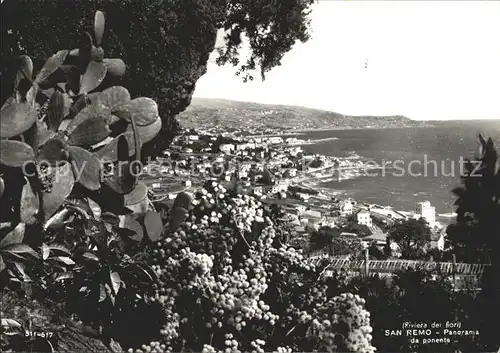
point(165, 43)
point(412, 236)
point(352, 226)
point(475, 236)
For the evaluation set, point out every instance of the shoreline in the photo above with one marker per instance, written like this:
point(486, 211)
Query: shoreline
point(309, 142)
point(349, 167)
point(298, 132)
point(442, 219)
point(360, 128)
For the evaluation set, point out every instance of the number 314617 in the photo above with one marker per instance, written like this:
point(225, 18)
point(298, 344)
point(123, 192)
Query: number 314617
point(41, 334)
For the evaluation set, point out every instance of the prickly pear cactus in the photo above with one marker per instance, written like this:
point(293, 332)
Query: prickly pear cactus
point(66, 137)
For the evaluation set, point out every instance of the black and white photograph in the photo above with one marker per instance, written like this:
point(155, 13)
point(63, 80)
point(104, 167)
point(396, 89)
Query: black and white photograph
point(250, 176)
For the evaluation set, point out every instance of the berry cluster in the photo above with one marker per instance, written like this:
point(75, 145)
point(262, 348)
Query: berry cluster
point(226, 278)
point(153, 347)
point(346, 317)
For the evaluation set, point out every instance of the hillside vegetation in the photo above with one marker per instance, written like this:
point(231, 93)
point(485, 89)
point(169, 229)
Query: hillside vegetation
point(212, 113)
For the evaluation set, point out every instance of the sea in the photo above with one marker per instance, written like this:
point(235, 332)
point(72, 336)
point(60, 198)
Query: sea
point(406, 165)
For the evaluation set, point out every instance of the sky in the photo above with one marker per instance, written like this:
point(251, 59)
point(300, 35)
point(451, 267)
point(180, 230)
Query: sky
point(426, 60)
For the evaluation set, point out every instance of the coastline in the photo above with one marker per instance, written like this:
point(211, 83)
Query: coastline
point(342, 169)
point(311, 142)
point(302, 131)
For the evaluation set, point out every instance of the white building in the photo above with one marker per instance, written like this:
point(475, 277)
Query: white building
point(379, 238)
point(275, 139)
point(426, 211)
point(292, 220)
point(245, 167)
point(328, 222)
point(300, 208)
point(258, 190)
point(281, 186)
point(437, 241)
point(226, 148)
point(364, 218)
point(313, 226)
point(346, 207)
point(303, 197)
point(292, 172)
point(245, 146)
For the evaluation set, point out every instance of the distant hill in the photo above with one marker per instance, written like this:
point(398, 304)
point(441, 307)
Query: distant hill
point(227, 114)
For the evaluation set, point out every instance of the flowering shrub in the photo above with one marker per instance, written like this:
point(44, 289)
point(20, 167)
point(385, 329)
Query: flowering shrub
point(228, 284)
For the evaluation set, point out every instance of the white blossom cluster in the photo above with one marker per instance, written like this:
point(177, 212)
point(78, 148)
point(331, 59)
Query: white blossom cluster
point(225, 266)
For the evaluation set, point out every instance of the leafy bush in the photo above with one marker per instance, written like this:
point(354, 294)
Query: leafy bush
point(329, 240)
point(412, 236)
point(352, 226)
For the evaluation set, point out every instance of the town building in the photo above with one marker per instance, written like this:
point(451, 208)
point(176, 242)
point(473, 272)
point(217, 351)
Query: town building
point(348, 235)
point(281, 186)
point(346, 208)
point(275, 140)
point(226, 148)
point(300, 209)
point(379, 238)
point(437, 239)
point(292, 220)
point(328, 222)
point(426, 211)
point(313, 225)
point(364, 218)
point(258, 190)
point(303, 197)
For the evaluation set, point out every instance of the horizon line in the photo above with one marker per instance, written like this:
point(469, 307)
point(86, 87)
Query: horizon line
point(345, 115)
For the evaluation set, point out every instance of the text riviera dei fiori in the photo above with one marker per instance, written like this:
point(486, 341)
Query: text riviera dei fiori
point(449, 328)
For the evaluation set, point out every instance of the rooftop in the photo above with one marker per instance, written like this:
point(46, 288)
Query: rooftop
point(377, 236)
